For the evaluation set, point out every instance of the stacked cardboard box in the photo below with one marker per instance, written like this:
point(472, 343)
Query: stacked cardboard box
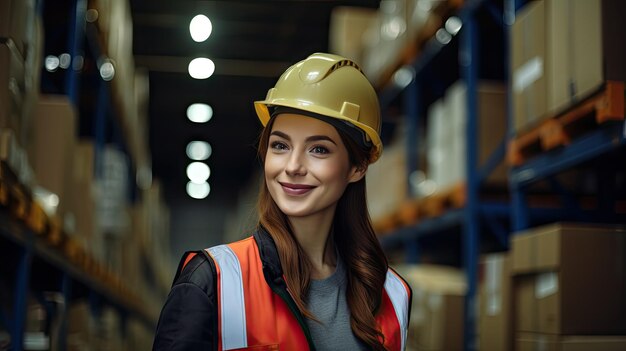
point(562, 51)
point(81, 198)
point(52, 148)
point(495, 323)
point(393, 36)
point(347, 25)
point(569, 283)
point(436, 321)
point(387, 180)
point(447, 133)
point(12, 86)
point(21, 45)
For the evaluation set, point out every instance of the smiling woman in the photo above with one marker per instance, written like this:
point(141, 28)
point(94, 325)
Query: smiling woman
point(307, 167)
point(313, 276)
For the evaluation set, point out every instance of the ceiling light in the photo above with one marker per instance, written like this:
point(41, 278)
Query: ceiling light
point(199, 150)
point(107, 71)
point(200, 28)
point(199, 113)
point(198, 172)
point(443, 36)
point(201, 68)
point(51, 63)
point(198, 191)
point(91, 15)
point(404, 76)
point(453, 25)
point(65, 60)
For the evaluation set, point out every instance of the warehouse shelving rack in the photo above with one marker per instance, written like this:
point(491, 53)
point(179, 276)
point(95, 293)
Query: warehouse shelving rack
point(602, 148)
point(476, 212)
point(604, 145)
point(31, 245)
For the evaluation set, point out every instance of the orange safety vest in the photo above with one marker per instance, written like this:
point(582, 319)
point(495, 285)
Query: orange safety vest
point(252, 315)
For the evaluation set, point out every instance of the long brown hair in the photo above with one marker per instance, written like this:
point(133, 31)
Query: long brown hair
point(355, 241)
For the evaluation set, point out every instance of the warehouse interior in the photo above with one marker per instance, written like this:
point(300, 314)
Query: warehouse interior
point(128, 136)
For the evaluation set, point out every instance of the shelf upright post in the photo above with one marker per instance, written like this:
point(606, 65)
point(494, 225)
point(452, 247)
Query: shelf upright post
point(21, 297)
point(520, 212)
point(66, 290)
point(75, 41)
point(468, 61)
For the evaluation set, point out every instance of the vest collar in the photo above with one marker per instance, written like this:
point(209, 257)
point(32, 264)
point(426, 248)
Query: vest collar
point(269, 255)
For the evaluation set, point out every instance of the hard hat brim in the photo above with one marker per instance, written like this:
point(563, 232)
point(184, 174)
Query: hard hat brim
point(264, 115)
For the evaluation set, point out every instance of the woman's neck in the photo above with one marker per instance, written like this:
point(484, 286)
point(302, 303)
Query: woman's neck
point(313, 235)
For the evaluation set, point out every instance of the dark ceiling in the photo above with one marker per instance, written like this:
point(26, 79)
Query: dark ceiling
point(252, 43)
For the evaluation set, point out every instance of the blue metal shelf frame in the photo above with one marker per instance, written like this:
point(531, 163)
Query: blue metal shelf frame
point(75, 41)
point(468, 218)
point(468, 60)
point(588, 147)
point(78, 35)
point(30, 248)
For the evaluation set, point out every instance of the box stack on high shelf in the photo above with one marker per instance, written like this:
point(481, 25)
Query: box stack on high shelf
point(525, 169)
point(567, 88)
point(84, 228)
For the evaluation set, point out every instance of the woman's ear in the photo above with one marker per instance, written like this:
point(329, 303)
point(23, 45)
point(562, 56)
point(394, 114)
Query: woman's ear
point(357, 173)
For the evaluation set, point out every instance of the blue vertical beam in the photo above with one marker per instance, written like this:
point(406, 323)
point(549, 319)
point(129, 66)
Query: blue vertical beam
point(412, 251)
point(468, 61)
point(66, 290)
point(75, 42)
point(21, 298)
point(519, 206)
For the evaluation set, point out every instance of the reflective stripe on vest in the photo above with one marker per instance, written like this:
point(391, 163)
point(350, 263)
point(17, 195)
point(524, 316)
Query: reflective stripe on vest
point(399, 295)
point(231, 299)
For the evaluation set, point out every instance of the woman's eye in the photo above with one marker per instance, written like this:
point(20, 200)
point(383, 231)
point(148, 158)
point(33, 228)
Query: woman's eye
point(319, 150)
point(277, 145)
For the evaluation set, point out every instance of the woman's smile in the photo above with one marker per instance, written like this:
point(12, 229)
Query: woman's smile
point(296, 189)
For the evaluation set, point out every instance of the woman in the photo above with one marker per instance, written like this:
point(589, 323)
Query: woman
point(313, 276)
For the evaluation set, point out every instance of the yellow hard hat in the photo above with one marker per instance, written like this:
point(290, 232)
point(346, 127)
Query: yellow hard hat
point(331, 86)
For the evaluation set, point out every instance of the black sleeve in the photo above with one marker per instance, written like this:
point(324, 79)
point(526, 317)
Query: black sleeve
point(188, 320)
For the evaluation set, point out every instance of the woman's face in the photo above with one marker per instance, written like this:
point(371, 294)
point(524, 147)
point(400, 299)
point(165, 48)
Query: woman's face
point(306, 165)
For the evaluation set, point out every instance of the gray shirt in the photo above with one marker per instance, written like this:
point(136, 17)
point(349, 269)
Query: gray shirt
point(327, 302)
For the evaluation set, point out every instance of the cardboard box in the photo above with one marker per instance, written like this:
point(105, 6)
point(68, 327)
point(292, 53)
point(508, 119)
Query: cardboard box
point(547, 342)
point(569, 279)
point(81, 326)
point(437, 142)
point(80, 214)
point(495, 322)
point(562, 52)
point(436, 321)
point(491, 126)
point(12, 86)
point(447, 133)
point(387, 181)
point(54, 141)
point(347, 25)
point(385, 41)
point(16, 21)
point(528, 64)
point(575, 50)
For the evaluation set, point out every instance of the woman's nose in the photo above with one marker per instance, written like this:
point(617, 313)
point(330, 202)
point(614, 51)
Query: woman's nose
point(295, 165)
